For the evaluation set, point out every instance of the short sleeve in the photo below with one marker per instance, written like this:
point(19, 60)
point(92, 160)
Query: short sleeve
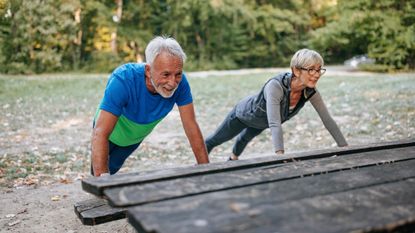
point(115, 96)
point(184, 95)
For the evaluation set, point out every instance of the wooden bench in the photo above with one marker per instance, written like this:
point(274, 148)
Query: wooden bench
point(96, 211)
point(363, 189)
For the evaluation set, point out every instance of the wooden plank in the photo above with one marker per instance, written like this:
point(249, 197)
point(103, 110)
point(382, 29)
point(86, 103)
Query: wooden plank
point(96, 185)
point(168, 189)
point(364, 199)
point(400, 226)
point(96, 211)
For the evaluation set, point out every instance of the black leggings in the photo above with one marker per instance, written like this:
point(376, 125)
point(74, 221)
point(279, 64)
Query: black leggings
point(229, 128)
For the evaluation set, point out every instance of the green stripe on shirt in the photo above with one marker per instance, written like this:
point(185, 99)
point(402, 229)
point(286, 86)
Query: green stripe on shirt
point(127, 132)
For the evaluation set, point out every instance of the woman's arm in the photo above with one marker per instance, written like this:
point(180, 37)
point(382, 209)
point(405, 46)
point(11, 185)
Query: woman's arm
point(273, 95)
point(328, 121)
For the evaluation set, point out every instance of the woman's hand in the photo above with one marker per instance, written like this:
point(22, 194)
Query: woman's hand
point(279, 152)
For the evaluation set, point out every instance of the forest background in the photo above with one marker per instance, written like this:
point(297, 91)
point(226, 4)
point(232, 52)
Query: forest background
point(39, 36)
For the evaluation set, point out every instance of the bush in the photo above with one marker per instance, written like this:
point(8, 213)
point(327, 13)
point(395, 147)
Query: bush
point(102, 62)
point(17, 68)
point(379, 68)
point(382, 29)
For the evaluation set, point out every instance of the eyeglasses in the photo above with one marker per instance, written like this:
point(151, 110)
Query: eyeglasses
point(312, 71)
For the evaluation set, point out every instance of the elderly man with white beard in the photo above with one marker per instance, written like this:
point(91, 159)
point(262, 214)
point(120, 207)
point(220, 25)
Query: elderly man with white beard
point(137, 97)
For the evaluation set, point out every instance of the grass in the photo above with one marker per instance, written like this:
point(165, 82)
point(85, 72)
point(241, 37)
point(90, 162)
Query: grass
point(368, 108)
point(45, 121)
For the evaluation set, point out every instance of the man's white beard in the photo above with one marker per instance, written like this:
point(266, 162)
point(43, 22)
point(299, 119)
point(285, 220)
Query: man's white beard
point(161, 91)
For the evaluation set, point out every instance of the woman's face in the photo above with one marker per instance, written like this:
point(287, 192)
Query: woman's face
point(310, 75)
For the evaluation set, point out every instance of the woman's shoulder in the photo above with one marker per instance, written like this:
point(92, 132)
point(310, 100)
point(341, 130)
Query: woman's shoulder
point(281, 79)
point(273, 85)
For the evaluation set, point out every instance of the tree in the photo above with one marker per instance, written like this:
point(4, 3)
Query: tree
point(385, 30)
point(5, 21)
point(98, 35)
point(40, 34)
point(97, 25)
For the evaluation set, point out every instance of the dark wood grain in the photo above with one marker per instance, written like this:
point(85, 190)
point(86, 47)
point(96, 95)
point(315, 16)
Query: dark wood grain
point(96, 211)
point(96, 185)
point(367, 198)
point(194, 185)
point(362, 189)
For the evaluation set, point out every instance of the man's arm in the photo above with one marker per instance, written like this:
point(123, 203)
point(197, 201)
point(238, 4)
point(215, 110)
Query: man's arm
point(101, 132)
point(193, 133)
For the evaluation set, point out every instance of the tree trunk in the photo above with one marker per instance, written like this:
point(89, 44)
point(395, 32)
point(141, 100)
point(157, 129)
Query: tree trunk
point(117, 19)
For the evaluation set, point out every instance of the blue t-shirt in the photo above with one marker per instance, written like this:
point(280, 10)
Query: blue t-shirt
point(139, 111)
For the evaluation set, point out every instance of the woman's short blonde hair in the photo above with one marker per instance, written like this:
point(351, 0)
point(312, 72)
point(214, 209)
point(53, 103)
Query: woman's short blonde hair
point(305, 58)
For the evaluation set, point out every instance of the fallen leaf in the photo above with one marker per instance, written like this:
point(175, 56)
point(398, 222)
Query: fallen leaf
point(56, 198)
point(13, 223)
point(30, 180)
point(80, 177)
point(22, 211)
point(238, 207)
point(65, 181)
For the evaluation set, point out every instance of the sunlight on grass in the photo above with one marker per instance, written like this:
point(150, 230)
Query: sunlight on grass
point(46, 121)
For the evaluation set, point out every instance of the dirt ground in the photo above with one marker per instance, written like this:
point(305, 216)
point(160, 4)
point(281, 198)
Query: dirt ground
point(49, 209)
point(43, 207)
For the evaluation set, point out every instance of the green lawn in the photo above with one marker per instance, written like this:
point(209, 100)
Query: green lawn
point(45, 121)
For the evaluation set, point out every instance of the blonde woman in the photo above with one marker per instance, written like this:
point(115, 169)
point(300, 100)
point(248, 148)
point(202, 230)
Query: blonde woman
point(281, 98)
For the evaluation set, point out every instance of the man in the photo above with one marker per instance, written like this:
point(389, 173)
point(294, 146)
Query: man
point(137, 97)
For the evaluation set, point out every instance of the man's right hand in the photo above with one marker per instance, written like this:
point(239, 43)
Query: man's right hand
point(104, 125)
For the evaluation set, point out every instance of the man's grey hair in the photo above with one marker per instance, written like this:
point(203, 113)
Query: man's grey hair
point(161, 44)
point(305, 58)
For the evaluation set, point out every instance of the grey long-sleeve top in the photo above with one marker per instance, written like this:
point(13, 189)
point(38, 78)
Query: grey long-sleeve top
point(270, 108)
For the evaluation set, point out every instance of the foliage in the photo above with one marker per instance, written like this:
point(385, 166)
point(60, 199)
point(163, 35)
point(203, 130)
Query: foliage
point(385, 30)
point(39, 36)
point(94, 36)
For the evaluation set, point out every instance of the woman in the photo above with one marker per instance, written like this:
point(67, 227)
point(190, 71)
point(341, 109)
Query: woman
point(281, 98)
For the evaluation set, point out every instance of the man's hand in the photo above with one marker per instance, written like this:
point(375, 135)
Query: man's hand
point(103, 127)
point(193, 133)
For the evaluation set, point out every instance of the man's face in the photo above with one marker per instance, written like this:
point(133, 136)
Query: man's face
point(166, 74)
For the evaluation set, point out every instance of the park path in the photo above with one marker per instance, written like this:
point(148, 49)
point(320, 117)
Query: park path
point(331, 70)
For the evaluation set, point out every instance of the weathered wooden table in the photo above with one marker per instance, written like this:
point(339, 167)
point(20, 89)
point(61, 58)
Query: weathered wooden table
point(361, 189)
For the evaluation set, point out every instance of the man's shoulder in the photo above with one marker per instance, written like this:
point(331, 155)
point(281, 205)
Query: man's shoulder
point(129, 70)
point(184, 85)
point(184, 79)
